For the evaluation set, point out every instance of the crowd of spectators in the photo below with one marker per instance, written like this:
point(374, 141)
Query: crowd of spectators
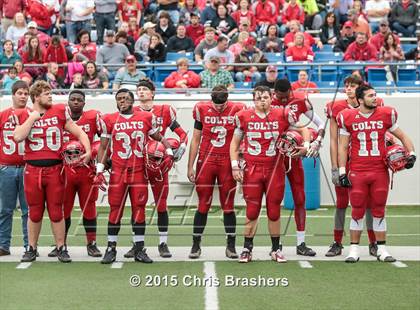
point(52, 39)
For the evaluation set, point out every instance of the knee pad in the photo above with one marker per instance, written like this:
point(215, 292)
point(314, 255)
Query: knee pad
point(138, 214)
point(379, 224)
point(162, 205)
point(273, 212)
point(356, 224)
point(378, 211)
point(342, 194)
point(253, 211)
point(358, 199)
point(357, 213)
point(115, 214)
point(55, 216)
point(378, 199)
point(36, 213)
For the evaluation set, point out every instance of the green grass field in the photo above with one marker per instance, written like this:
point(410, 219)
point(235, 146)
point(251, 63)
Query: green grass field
point(328, 285)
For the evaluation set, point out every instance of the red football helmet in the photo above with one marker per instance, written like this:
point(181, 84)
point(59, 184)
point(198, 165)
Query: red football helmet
point(154, 154)
point(313, 133)
point(289, 141)
point(174, 143)
point(72, 153)
point(396, 157)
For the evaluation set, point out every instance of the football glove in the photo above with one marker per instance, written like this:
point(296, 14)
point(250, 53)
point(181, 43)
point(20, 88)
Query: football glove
point(344, 181)
point(335, 177)
point(180, 152)
point(100, 181)
point(313, 150)
point(410, 162)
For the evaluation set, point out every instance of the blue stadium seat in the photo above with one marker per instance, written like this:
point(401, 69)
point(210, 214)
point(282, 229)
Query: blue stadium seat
point(162, 72)
point(407, 74)
point(326, 87)
point(413, 86)
point(293, 72)
point(388, 85)
point(347, 70)
point(376, 75)
point(243, 85)
point(326, 48)
point(407, 47)
point(324, 73)
point(328, 56)
point(175, 56)
point(274, 57)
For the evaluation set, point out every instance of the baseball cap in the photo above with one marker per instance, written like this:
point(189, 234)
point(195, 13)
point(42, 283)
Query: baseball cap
point(148, 25)
point(348, 24)
point(271, 69)
point(250, 41)
point(195, 14)
point(214, 58)
point(110, 33)
point(384, 22)
point(32, 24)
point(130, 57)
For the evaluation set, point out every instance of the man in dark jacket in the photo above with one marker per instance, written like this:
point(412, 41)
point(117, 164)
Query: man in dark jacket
point(404, 15)
point(347, 37)
point(165, 27)
point(180, 43)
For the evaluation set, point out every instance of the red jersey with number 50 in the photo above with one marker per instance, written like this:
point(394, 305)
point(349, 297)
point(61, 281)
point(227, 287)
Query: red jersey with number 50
point(367, 136)
point(11, 153)
point(45, 139)
point(90, 123)
point(297, 102)
point(261, 132)
point(333, 108)
point(218, 127)
point(128, 134)
point(165, 115)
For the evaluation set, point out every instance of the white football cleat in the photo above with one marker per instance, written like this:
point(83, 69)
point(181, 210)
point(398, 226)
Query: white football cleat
point(353, 256)
point(278, 256)
point(384, 256)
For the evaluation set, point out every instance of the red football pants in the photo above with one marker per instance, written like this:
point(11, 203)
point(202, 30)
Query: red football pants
point(79, 180)
point(209, 170)
point(44, 186)
point(124, 182)
point(369, 189)
point(160, 188)
point(296, 178)
point(260, 179)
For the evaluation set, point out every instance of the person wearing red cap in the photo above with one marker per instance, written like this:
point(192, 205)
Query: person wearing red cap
point(271, 74)
point(249, 54)
point(347, 37)
point(378, 39)
point(129, 75)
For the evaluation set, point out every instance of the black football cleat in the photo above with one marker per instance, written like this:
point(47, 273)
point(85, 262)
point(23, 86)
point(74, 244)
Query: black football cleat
point(335, 250)
point(130, 253)
point(4, 252)
point(63, 255)
point(195, 251)
point(140, 255)
point(230, 251)
point(93, 250)
point(303, 250)
point(373, 249)
point(53, 253)
point(164, 250)
point(110, 254)
point(29, 255)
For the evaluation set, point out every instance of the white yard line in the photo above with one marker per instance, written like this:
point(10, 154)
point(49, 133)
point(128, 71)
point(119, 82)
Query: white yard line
point(399, 264)
point(23, 265)
point(211, 300)
point(117, 265)
point(305, 264)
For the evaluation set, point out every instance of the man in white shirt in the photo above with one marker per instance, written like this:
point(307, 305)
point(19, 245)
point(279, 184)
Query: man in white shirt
point(80, 13)
point(377, 10)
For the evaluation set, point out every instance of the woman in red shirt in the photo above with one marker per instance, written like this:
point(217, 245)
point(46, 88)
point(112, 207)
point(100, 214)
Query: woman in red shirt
point(127, 9)
point(56, 53)
point(244, 13)
point(302, 83)
point(34, 55)
point(299, 51)
point(183, 78)
point(133, 28)
point(85, 46)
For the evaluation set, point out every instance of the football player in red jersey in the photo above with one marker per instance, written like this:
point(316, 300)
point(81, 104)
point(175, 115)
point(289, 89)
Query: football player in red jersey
point(299, 104)
point(213, 131)
point(127, 132)
point(351, 83)
point(264, 171)
point(165, 118)
point(42, 130)
point(11, 170)
point(368, 177)
point(79, 179)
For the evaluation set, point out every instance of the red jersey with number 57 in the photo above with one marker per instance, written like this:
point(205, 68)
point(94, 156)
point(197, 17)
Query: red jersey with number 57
point(90, 123)
point(297, 102)
point(218, 127)
point(128, 134)
point(11, 153)
point(45, 139)
point(165, 115)
point(367, 136)
point(261, 132)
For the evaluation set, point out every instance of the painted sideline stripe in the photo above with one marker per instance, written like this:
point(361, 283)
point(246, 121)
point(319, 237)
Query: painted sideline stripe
point(399, 264)
point(117, 265)
point(305, 264)
point(211, 301)
point(23, 265)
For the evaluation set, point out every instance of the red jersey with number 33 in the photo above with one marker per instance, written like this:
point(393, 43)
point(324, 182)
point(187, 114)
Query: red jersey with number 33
point(165, 115)
point(45, 139)
point(90, 123)
point(11, 153)
point(261, 132)
point(297, 102)
point(218, 127)
point(367, 136)
point(128, 134)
